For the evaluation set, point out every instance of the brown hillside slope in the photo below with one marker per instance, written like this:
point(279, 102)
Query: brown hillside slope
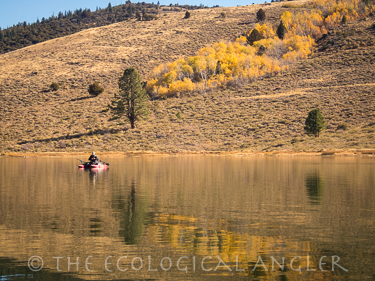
point(266, 115)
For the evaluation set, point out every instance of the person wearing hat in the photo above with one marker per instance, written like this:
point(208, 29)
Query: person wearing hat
point(93, 158)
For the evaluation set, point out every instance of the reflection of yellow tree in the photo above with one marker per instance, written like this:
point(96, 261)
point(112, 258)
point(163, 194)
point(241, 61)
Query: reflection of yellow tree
point(184, 234)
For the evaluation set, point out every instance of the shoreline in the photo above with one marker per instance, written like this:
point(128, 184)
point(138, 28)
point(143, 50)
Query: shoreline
point(351, 152)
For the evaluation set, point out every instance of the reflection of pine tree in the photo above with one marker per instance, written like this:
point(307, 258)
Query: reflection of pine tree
point(132, 217)
point(315, 187)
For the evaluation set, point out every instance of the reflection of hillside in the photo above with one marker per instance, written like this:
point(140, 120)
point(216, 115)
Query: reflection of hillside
point(183, 234)
point(188, 206)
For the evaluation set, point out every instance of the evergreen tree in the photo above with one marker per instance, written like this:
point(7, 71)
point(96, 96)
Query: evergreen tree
point(261, 15)
point(218, 68)
point(281, 30)
point(131, 101)
point(315, 122)
point(344, 19)
point(254, 36)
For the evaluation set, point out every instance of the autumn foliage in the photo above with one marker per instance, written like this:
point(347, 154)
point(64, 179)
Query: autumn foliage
point(326, 14)
point(263, 50)
point(224, 64)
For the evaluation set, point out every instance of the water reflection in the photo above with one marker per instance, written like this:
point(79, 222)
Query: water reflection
point(132, 214)
point(9, 270)
point(93, 174)
point(236, 208)
point(315, 187)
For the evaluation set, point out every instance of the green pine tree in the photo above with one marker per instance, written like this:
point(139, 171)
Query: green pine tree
point(344, 19)
point(315, 122)
point(132, 99)
point(281, 30)
point(261, 15)
point(254, 36)
point(218, 68)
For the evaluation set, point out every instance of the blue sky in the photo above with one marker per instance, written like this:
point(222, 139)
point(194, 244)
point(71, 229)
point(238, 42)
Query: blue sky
point(15, 11)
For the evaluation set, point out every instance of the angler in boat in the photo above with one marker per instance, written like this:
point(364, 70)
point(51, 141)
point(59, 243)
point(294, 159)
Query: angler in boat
point(94, 163)
point(93, 158)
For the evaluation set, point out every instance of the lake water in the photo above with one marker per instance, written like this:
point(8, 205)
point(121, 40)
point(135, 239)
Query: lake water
point(188, 218)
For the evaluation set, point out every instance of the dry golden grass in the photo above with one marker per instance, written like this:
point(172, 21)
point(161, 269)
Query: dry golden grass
point(267, 115)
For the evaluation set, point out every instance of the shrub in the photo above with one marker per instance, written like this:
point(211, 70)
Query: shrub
point(179, 115)
point(281, 30)
point(223, 15)
point(253, 37)
point(148, 17)
point(54, 86)
point(261, 15)
point(27, 146)
point(262, 50)
point(315, 122)
point(61, 144)
point(95, 89)
point(343, 126)
point(187, 15)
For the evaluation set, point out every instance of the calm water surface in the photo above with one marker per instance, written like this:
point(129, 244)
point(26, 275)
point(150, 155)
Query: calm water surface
point(234, 215)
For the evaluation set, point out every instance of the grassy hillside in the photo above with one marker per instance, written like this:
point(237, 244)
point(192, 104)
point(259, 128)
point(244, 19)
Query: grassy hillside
point(67, 23)
point(266, 115)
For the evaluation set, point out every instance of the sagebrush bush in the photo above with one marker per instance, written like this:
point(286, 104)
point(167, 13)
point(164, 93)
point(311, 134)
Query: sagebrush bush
point(343, 126)
point(54, 86)
point(95, 89)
